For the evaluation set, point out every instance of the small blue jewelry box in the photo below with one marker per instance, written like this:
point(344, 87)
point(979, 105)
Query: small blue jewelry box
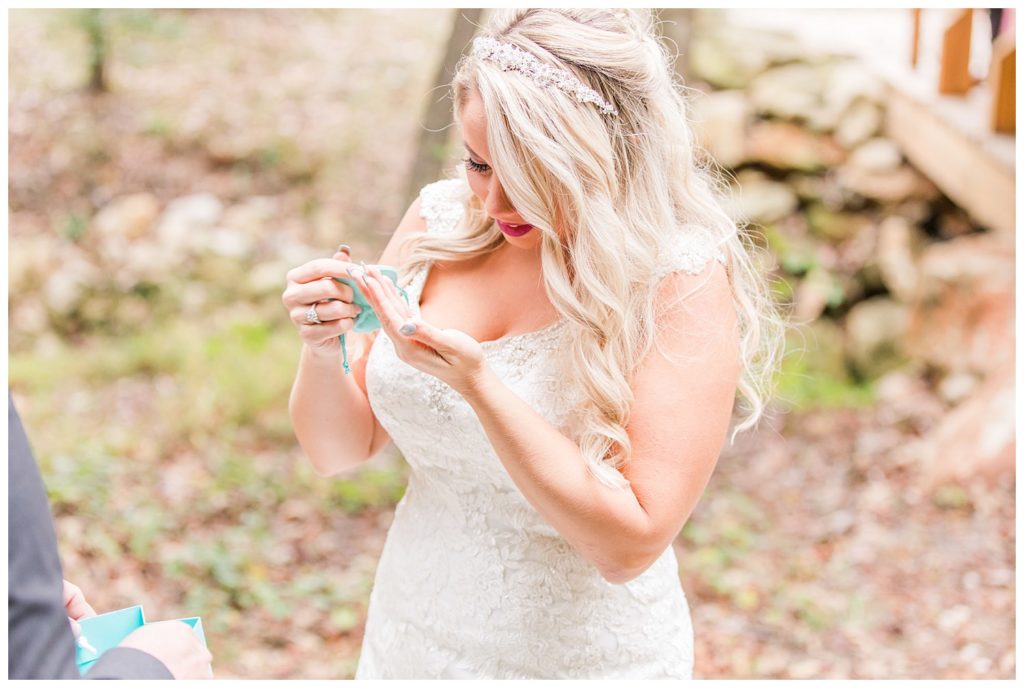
point(367, 320)
point(106, 631)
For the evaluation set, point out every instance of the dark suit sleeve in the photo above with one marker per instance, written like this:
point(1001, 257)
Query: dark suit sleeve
point(40, 642)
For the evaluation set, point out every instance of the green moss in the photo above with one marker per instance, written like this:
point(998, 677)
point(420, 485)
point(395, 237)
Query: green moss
point(814, 371)
point(370, 489)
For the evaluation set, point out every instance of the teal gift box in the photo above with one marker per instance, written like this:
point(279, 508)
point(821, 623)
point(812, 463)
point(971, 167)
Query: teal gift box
point(105, 631)
point(367, 321)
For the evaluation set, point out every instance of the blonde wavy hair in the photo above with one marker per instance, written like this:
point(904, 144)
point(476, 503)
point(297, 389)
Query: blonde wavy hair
point(606, 193)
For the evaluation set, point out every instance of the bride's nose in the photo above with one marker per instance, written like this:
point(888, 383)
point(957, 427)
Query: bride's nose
point(497, 204)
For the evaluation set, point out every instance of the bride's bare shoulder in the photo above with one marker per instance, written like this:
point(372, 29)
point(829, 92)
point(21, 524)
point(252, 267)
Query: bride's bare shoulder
point(412, 224)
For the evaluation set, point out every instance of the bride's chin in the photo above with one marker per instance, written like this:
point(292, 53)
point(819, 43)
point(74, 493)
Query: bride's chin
point(530, 240)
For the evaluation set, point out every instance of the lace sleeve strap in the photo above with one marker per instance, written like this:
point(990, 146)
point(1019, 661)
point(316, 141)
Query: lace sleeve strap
point(690, 250)
point(443, 205)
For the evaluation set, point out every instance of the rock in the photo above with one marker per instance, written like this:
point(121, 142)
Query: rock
point(851, 289)
point(128, 217)
point(148, 260)
point(875, 170)
point(862, 121)
point(819, 347)
point(98, 307)
point(818, 290)
point(251, 216)
point(821, 94)
point(853, 255)
point(227, 242)
point(957, 386)
point(849, 81)
point(720, 120)
point(269, 277)
point(890, 186)
point(186, 220)
point(977, 437)
point(963, 316)
point(832, 225)
point(787, 146)
point(65, 287)
point(821, 119)
point(823, 188)
point(900, 388)
point(899, 246)
point(874, 330)
point(969, 260)
point(788, 92)
point(33, 258)
point(796, 252)
point(29, 317)
point(144, 261)
point(714, 59)
point(761, 200)
point(133, 312)
point(193, 298)
point(876, 155)
point(808, 187)
point(220, 274)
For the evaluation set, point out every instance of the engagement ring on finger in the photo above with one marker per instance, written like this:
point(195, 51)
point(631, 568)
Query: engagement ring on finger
point(311, 317)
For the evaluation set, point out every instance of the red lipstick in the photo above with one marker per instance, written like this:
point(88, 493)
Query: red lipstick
point(513, 230)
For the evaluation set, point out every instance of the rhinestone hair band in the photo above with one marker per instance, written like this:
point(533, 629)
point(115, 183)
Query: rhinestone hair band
point(509, 57)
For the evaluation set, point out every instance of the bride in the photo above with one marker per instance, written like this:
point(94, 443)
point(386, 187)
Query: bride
point(578, 317)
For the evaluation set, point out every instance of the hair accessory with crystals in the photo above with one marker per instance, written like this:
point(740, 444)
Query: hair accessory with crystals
point(509, 57)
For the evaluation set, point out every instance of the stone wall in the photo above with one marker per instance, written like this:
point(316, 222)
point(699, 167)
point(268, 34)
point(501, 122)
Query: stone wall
point(876, 262)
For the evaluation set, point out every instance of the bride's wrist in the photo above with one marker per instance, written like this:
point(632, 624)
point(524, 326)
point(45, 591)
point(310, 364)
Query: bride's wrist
point(478, 384)
point(323, 354)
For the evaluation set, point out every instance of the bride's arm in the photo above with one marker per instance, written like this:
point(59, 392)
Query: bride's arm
point(330, 411)
point(677, 427)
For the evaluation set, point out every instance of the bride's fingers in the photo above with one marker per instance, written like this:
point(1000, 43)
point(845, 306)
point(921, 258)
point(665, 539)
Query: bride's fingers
point(386, 311)
point(374, 294)
point(389, 296)
point(396, 296)
point(424, 333)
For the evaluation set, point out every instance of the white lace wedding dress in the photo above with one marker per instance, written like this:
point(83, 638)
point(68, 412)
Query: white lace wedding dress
point(472, 582)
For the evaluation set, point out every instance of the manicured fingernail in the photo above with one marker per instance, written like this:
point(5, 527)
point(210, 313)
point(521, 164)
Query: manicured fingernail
point(344, 248)
point(355, 271)
point(407, 329)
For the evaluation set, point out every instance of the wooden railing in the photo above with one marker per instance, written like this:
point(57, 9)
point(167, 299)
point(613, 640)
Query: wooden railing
point(955, 78)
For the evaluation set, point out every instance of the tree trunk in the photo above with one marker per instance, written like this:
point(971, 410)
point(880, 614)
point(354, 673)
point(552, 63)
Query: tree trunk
point(432, 148)
point(678, 26)
point(93, 22)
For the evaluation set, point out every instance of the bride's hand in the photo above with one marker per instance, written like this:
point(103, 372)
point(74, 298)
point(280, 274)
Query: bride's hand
point(311, 291)
point(450, 355)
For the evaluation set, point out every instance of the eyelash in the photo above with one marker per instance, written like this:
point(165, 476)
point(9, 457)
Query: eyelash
point(477, 166)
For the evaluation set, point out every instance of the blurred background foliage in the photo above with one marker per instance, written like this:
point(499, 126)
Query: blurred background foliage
point(157, 203)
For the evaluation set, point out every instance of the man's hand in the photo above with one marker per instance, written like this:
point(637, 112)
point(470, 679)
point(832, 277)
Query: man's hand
point(175, 644)
point(74, 603)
